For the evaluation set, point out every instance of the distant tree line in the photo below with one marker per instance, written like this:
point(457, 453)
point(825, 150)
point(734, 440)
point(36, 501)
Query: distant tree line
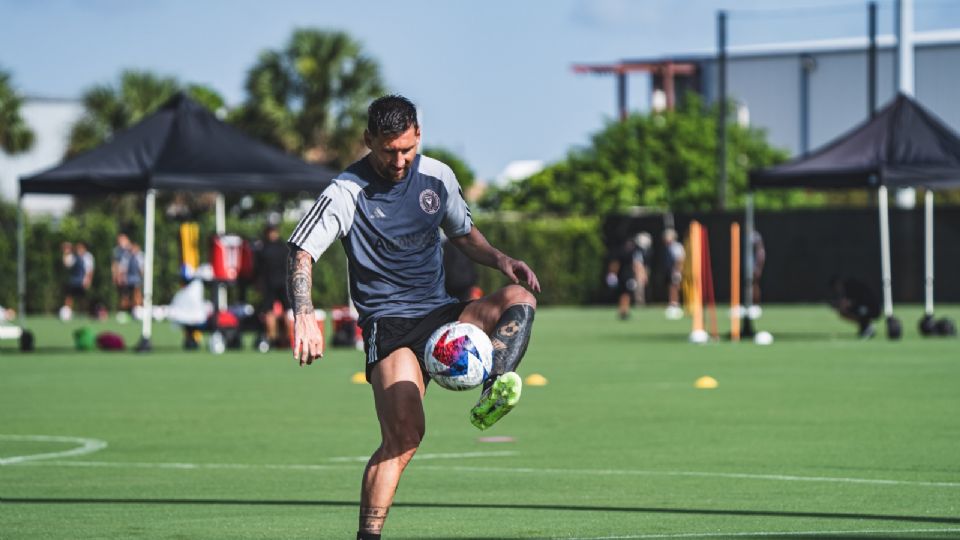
point(309, 97)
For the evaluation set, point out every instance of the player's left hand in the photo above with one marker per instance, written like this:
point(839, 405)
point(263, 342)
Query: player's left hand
point(518, 271)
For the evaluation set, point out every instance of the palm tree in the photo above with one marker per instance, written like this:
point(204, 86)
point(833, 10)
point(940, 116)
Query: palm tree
point(15, 135)
point(311, 97)
point(109, 108)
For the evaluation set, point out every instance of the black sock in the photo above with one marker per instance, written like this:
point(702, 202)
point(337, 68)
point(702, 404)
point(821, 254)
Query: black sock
point(510, 339)
point(367, 536)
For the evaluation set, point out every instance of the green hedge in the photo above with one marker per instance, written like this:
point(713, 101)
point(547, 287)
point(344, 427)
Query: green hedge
point(567, 255)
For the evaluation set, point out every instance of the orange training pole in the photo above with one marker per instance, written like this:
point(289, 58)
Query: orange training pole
point(696, 270)
point(709, 298)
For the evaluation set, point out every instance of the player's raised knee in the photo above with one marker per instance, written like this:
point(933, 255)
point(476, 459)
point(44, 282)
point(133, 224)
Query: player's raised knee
point(515, 294)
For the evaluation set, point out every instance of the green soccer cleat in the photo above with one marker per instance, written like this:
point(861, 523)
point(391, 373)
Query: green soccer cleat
point(496, 402)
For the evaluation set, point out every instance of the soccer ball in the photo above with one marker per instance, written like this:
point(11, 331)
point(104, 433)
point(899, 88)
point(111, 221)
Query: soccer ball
point(459, 356)
point(763, 338)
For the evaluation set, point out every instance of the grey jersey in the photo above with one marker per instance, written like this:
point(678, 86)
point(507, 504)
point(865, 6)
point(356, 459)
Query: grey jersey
point(390, 233)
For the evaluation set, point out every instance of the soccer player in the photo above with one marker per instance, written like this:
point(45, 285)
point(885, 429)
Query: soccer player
point(79, 264)
point(675, 256)
point(118, 272)
point(387, 210)
point(855, 301)
point(625, 273)
point(271, 274)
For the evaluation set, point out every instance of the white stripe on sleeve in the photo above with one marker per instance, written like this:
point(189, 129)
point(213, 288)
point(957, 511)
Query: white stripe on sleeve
point(329, 219)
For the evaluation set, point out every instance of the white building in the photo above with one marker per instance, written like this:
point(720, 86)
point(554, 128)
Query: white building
point(518, 170)
point(50, 119)
point(805, 94)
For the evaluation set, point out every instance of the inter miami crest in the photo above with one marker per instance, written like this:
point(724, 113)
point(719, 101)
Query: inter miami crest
point(429, 201)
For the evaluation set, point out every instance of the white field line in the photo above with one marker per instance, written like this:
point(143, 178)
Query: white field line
point(511, 470)
point(184, 466)
point(92, 445)
point(747, 476)
point(778, 534)
point(87, 446)
point(298, 467)
point(420, 457)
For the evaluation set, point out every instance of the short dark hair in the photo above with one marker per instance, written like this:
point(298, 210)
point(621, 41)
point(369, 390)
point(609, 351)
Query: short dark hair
point(391, 115)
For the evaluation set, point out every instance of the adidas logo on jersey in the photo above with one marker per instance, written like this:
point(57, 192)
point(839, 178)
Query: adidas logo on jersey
point(378, 213)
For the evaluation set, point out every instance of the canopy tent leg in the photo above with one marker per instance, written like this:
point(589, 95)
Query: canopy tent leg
point(748, 262)
point(148, 234)
point(21, 264)
point(928, 326)
point(894, 328)
point(928, 251)
point(25, 336)
point(221, 223)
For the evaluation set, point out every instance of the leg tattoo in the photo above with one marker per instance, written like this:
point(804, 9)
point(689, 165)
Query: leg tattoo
point(371, 519)
point(510, 339)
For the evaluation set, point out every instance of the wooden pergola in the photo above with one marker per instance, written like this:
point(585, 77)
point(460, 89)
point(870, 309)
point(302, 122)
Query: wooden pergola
point(666, 70)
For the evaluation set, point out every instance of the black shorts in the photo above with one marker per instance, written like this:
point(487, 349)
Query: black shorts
point(626, 286)
point(272, 295)
point(128, 288)
point(75, 291)
point(387, 334)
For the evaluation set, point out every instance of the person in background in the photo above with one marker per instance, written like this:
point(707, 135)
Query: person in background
point(645, 246)
point(675, 256)
point(79, 264)
point(623, 272)
point(118, 273)
point(134, 279)
point(759, 257)
point(271, 267)
point(855, 301)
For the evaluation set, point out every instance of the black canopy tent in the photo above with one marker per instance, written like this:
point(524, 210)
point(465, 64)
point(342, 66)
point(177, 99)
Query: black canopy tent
point(902, 145)
point(182, 146)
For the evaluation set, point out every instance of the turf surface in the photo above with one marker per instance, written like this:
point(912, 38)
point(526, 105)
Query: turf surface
point(818, 435)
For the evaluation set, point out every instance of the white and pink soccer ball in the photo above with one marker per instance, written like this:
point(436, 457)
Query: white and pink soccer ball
point(459, 356)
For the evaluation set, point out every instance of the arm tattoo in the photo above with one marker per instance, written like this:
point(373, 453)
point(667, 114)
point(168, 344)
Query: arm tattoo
point(372, 518)
point(299, 281)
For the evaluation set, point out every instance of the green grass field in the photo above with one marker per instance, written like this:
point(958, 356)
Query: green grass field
point(816, 436)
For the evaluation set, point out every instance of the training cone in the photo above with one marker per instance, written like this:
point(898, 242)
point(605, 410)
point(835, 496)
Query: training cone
point(535, 379)
point(706, 383)
point(359, 378)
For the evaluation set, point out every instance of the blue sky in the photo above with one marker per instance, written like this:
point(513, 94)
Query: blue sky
point(493, 79)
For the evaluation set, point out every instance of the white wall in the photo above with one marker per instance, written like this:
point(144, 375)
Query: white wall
point(50, 120)
point(769, 84)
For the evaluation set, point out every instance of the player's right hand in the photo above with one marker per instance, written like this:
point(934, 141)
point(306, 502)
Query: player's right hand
point(307, 339)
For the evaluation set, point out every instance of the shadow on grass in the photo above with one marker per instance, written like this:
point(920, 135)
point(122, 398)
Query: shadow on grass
point(495, 506)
